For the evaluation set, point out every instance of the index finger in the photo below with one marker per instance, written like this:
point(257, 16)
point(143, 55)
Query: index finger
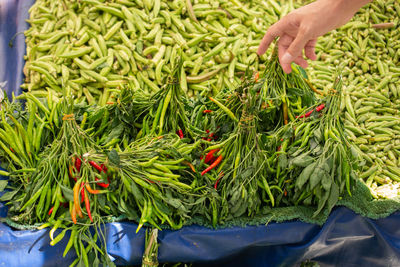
point(269, 36)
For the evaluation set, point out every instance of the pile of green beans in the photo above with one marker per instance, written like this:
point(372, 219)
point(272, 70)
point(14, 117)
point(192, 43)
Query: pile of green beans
point(97, 46)
point(367, 53)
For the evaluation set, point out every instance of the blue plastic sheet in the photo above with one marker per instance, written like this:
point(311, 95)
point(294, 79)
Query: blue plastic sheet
point(346, 239)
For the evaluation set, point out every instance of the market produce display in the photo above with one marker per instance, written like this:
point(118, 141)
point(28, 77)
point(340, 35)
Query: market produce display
point(75, 166)
point(160, 112)
point(366, 53)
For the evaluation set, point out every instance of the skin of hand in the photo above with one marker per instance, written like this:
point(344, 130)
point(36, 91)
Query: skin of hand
point(300, 29)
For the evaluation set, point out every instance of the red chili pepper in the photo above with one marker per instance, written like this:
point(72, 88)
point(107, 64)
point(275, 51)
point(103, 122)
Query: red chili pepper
point(50, 211)
point(12, 150)
point(320, 107)
point(78, 164)
point(279, 148)
point(285, 193)
point(308, 114)
point(82, 193)
point(207, 131)
point(213, 165)
point(216, 182)
point(211, 135)
point(102, 184)
point(210, 156)
point(207, 111)
point(87, 205)
point(180, 133)
point(104, 167)
point(95, 165)
point(100, 168)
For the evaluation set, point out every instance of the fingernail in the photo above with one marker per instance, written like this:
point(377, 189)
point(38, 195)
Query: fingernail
point(287, 58)
point(287, 68)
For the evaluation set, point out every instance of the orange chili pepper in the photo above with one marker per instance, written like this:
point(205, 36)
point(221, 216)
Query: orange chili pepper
point(71, 172)
point(77, 206)
point(92, 191)
point(87, 204)
point(187, 163)
point(73, 214)
point(213, 165)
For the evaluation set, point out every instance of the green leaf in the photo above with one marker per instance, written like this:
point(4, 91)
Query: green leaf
point(162, 207)
point(302, 72)
point(80, 263)
point(316, 177)
point(247, 173)
point(96, 262)
point(326, 181)
point(318, 134)
point(114, 157)
point(314, 145)
point(323, 197)
point(333, 197)
point(282, 161)
point(137, 192)
point(8, 195)
point(308, 201)
point(305, 175)
point(302, 161)
point(176, 203)
point(115, 133)
point(67, 192)
point(3, 184)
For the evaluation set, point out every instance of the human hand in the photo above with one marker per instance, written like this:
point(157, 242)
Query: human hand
point(300, 29)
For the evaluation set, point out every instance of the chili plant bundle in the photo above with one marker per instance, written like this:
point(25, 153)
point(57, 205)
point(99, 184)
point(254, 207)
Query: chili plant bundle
point(366, 51)
point(284, 95)
point(111, 125)
point(157, 180)
point(54, 189)
point(314, 162)
point(167, 110)
point(280, 97)
point(153, 177)
point(26, 129)
point(238, 162)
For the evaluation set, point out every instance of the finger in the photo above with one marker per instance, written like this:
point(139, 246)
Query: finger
point(309, 50)
point(302, 38)
point(269, 36)
point(285, 59)
point(301, 62)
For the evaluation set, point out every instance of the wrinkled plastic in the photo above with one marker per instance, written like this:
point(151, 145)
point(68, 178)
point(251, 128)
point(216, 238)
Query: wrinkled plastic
point(346, 239)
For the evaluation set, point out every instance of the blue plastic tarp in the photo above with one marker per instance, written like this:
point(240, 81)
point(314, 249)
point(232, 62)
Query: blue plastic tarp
point(346, 239)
